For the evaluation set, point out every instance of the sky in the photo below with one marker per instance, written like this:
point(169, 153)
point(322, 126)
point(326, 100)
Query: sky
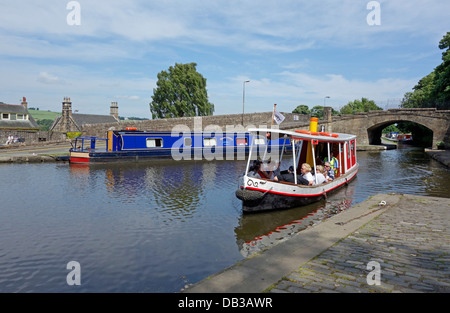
point(293, 52)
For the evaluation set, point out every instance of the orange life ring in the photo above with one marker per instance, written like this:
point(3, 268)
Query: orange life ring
point(307, 132)
point(329, 135)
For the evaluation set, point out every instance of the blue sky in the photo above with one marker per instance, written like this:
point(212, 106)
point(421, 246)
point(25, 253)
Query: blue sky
point(293, 52)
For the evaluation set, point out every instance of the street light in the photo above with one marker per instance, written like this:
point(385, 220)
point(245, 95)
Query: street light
point(324, 99)
point(323, 111)
point(243, 100)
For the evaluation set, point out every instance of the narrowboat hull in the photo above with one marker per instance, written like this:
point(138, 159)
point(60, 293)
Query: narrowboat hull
point(237, 153)
point(133, 146)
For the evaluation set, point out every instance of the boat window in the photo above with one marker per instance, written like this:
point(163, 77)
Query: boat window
point(259, 141)
point(188, 142)
point(209, 142)
point(154, 142)
point(241, 141)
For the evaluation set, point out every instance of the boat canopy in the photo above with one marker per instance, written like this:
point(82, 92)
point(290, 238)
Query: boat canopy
point(306, 135)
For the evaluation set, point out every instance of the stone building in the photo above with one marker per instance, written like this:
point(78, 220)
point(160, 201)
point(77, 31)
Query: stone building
point(75, 122)
point(16, 117)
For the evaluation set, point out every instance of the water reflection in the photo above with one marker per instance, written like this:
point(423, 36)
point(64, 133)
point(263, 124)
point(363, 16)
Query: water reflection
point(258, 232)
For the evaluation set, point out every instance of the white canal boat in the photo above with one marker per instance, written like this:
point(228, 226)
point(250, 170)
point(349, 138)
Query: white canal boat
point(267, 187)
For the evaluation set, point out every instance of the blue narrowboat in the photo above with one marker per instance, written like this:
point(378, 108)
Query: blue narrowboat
point(133, 145)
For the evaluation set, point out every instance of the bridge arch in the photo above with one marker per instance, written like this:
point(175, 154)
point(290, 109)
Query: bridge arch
point(368, 126)
point(374, 133)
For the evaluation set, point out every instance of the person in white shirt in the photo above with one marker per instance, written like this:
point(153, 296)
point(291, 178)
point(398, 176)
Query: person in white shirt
point(320, 175)
point(306, 173)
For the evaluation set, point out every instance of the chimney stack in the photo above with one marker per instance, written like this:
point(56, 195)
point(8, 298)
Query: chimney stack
point(24, 103)
point(114, 110)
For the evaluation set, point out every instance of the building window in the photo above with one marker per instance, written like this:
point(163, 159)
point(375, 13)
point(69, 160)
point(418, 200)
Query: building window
point(13, 116)
point(5, 116)
point(20, 117)
point(154, 142)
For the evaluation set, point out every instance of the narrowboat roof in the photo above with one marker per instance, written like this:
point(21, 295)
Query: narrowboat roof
point(337, 137)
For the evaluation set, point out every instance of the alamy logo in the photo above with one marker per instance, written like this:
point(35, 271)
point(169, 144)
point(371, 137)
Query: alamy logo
point(74, 277)
point(374, 17)
point(374, 277)
point(74, 16)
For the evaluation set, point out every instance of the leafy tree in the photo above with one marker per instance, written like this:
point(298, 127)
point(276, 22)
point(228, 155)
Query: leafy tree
point(363, 105)
point(421, 96)
point(433, 91)
point(441, 90)
point(301, 109)
point(181, 91)
point(45, 124)
point(317, 111)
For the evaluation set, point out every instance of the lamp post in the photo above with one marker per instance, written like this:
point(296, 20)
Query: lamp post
point(323, 111)
point(324, 100)
point(243, 100)
point(327, 97)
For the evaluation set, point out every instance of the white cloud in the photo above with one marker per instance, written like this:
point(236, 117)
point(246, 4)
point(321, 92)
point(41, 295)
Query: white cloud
point(47, 78)
point(290, 89)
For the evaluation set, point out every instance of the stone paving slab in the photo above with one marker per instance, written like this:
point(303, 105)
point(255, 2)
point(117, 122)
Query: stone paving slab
point(410, 242)
point(408, 238)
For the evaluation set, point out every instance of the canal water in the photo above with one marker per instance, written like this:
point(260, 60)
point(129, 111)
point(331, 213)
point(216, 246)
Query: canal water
point(159, 227)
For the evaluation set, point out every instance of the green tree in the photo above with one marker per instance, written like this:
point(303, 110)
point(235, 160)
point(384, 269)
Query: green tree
point(363, 105)
point(422, 95)
point(181, 91)
point(301, 109)
point(441, 90)
point(433, 91)
point(45, 124)
point(317, 111)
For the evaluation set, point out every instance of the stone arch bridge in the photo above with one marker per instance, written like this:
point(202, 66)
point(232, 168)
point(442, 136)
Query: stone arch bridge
point(368, 125)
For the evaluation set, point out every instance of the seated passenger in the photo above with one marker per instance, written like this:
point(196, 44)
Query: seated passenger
point(289, 177)
point(306, 173)
point(253, 172)
point(319, 175)
point(329, 171)
point(270, 169)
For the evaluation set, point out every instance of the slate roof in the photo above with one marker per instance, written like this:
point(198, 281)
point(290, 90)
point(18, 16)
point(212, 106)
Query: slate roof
point(82, 119)
point(17, 109)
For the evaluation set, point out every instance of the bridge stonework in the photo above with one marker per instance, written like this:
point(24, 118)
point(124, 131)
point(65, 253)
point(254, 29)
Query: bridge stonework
point(368, 126)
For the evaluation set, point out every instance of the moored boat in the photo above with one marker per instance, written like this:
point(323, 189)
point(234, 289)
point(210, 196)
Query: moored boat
point(134, 145)
point(260, 192)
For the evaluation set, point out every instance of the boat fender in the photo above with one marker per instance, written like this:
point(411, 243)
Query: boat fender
point(131, 128)
point(324, 194)
point(250, 195)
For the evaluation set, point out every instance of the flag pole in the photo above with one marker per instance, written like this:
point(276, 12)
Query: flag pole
point(273, 114)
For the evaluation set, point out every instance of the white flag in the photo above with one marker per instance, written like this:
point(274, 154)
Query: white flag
point(279, 118)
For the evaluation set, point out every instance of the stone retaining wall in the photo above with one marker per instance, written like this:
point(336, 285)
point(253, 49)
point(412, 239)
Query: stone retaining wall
point(32, 137)
point(223, 122)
